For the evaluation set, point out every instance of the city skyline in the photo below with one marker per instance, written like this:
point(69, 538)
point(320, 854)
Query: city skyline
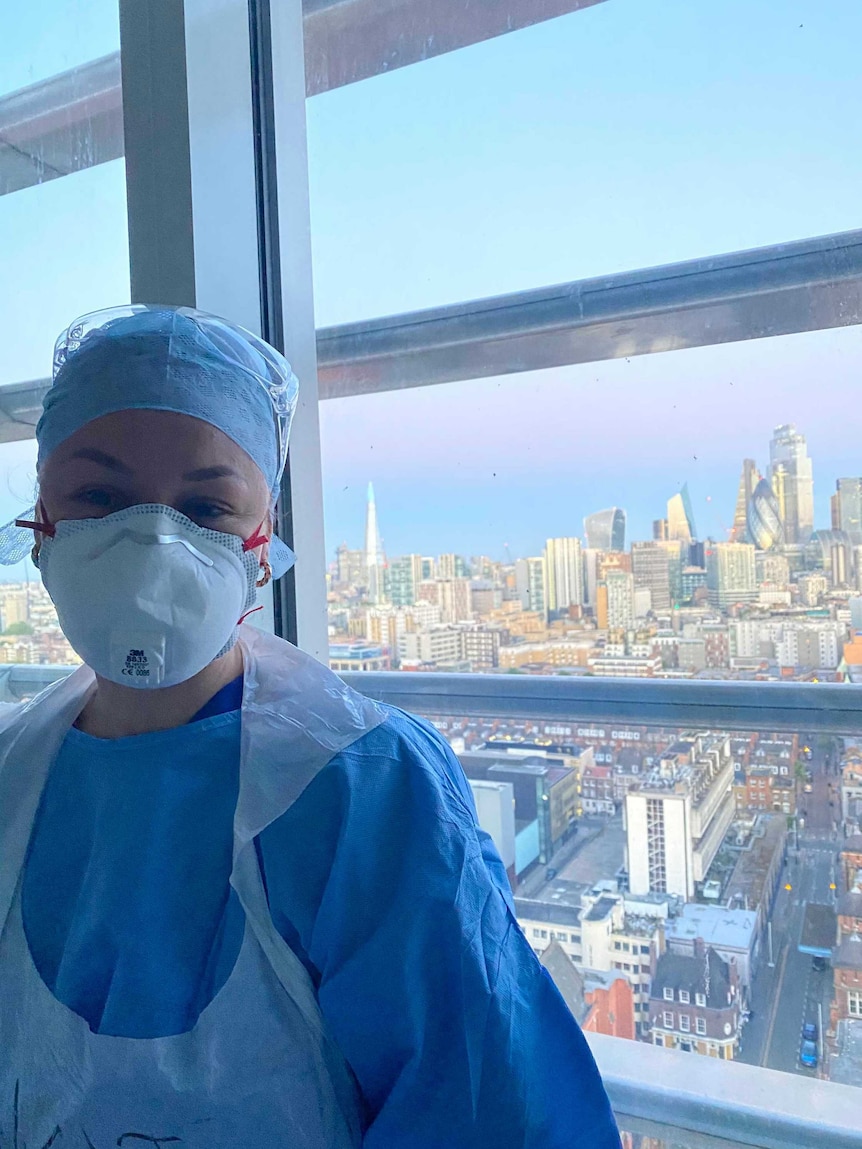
point(762, 510)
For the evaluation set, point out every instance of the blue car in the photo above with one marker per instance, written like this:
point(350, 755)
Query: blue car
point(808, 1054)
point(809, 1031)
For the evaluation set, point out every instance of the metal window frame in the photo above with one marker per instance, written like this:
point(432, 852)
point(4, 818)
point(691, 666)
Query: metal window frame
point(74, 120)
point(822, 708)
point(806, 285)
point(205, 150)
point(710, 1103)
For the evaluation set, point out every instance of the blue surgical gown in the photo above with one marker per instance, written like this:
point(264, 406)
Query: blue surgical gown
point(380, 880)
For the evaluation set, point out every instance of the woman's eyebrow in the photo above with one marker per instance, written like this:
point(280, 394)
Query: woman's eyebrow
point(94, 455)
point(217, 472)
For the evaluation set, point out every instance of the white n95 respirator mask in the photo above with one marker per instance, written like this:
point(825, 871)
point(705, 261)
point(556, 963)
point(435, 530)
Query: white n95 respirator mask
point(145, 596)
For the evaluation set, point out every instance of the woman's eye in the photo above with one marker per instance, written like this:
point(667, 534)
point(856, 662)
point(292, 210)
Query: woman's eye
point(200, 511)
point(95, 497)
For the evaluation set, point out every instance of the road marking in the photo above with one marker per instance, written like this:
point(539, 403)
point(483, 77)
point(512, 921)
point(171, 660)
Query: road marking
point(776, 998)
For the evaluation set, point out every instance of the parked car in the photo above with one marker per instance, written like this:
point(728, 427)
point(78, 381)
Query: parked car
point(809, 1031)
point(550, 874)
point(818, 963)
point(808, 1054)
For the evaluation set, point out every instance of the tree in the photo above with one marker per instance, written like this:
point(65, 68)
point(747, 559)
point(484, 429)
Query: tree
point(19, 628)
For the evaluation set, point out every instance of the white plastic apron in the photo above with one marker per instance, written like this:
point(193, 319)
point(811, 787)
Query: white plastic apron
point(258, 1069)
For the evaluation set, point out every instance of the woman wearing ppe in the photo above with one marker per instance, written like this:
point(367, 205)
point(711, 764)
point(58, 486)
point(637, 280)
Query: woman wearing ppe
point(240, 904)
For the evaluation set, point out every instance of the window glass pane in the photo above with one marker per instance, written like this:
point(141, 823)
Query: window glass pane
point(65, 252)
point(617, 137)
point(734, 902)
point(43, 38)
point(647, 518)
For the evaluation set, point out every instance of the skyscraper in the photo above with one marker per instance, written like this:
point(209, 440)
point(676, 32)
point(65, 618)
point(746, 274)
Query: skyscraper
point(405, 574)
point(375, 561)
point(680, 517)
point(765, 528)
point(564, 574)
point(792, 479)
point(748, 480)
point(620, 591)
point(650, 567)
point(606, 530)
point(731, 574)
point(847, 501)
point(531, 584)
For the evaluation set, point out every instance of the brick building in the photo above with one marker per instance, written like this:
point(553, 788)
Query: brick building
point(851, 861)
point(695, 1004)
point(847, 974)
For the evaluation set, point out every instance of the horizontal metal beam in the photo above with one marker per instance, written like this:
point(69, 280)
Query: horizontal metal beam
point(61, 125)
point(800, 286)
point(20, 408)
point(350, 40)
point(824, 708)
point(687, 1097)
point(74, 120)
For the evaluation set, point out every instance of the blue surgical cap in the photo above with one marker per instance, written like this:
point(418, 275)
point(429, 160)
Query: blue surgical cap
point(174, 359)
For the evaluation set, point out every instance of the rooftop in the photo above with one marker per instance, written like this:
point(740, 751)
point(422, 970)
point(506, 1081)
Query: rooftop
point(818, 930)
point(716, 925)
point(567, 978)
point(845, 1065)
point(601, 909)
point(850, 904)
point(848, 955)
point(751, 874)
point(701, 973)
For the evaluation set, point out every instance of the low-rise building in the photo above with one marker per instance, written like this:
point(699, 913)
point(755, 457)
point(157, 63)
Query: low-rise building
point(851, 789)
point(851, 861)
point(695, 1004)
point(352, 656)
point(768, 790)
point(597, 789)
point(847, 979)
point(603, 932)
point(849, 911)
point(755, 879)
point(600, 1002)
point(731, 933)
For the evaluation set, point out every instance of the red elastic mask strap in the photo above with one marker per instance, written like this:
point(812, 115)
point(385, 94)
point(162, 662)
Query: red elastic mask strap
point(247, 613)
point(256, 540)
point(45, 528)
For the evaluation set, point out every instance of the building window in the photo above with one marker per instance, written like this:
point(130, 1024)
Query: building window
point(644, 949)
point(617, 945)
point(700, 999)
point(627, 967)
point(700, 1025)
point(625, 947)
point(685, 1023)
point(684, 996)
point(668, 993)
point(668, 1019)
point(574, 938)
point(536, 933)
point(854, 1002)
point(543, 933)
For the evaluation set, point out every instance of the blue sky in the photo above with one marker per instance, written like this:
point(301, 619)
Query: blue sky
point(624, 136)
